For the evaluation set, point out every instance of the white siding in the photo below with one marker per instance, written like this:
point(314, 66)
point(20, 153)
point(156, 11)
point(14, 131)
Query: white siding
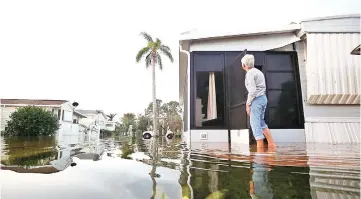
point(183, 65)
point(220, 135)
point(67, 128)
point(338, 121)
point(332, 72)
point(5, 116)
point(335, 25)
point(99, 118)
point(88, 120)
point(333, 132)
point(68, 116)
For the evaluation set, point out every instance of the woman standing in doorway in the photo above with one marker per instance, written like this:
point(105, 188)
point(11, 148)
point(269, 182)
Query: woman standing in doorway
point(256, 102)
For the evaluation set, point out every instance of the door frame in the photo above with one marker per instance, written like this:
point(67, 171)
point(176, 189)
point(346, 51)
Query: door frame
point(227, 95)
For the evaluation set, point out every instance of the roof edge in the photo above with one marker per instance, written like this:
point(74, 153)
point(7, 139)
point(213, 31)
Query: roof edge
point(332, 17)
point(255, 32)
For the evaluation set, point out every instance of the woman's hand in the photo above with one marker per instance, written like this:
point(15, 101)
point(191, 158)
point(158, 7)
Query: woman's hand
point(248, 109)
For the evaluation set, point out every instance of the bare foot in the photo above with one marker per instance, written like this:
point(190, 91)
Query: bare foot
point(271, 148)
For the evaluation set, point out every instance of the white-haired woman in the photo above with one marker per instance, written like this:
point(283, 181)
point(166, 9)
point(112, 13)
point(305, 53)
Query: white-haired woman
point(256, 101)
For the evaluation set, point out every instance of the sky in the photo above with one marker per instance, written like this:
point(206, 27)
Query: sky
point(84, 50)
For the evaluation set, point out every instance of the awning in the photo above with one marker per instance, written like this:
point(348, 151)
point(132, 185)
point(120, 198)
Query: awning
point(356, 51)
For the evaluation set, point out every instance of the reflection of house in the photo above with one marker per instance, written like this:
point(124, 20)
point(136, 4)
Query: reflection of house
point(62, 109)
point(97, 117)
point(334, 170)
point(312, 82)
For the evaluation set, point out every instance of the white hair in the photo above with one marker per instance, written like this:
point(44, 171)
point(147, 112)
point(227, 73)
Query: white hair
point(248, 60)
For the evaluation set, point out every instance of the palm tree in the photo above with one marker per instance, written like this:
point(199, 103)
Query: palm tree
point(111, 116)
point(152, 55)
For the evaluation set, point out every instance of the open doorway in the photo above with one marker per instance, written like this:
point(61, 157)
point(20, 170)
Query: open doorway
point(209, 106)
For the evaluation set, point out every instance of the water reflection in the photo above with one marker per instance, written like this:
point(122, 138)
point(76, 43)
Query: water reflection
point(129, 167)
point(259, 185)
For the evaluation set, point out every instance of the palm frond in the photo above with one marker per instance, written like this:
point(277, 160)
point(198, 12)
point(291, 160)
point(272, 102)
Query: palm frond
point(167, 52)
point(146, 36)
point(141, 53)
point(159, 61)
point(164, 47)
point(148, 60)
point(158, 43)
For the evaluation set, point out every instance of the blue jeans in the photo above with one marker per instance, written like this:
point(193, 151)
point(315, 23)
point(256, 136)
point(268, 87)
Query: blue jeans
point(258, 109)
point(262, 186)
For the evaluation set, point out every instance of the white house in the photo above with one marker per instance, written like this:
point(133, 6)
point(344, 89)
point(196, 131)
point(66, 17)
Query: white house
point(62, 109)
point(313, 82)
point(97, 117)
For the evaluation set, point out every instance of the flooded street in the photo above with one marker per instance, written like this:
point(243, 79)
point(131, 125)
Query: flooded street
point(124, 167)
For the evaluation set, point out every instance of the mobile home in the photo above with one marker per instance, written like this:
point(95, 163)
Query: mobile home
point(313, 82)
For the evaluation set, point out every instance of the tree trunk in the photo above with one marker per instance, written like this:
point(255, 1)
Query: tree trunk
point(154, 167)
point(155, 130)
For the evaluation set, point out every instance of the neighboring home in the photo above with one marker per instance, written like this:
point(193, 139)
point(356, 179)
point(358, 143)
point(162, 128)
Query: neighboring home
point(97, 117)
point(62, 109)
point(77, 117)
point(313, 82)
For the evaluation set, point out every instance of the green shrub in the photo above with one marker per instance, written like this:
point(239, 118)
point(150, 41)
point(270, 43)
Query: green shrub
point(31, 121)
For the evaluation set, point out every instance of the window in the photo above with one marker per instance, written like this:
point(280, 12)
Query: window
point(75, 121)
point(209, 106)
point(67, 116)
point(278, 80)
point(59, 114)
point(282, 92)
point(279, 62)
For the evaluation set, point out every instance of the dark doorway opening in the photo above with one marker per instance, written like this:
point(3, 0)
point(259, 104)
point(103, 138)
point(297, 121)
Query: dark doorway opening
point(206, 90)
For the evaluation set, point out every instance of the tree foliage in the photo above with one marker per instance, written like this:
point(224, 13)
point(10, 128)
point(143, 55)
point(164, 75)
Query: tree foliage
point(127, 120)
point(111, 116)
point(31, 121)
point(152, 51)
point(170, 111)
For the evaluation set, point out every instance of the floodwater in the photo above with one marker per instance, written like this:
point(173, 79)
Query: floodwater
point(124, 167)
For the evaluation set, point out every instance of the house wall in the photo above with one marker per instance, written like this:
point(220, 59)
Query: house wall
point(332, 72)
point(5, 116)
point(326, 123)
point(88, 120)
point(67, 112)
point(67, 128)
point(100, 119)
point(6, 111)
point(77, 117)
point(110, 125)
